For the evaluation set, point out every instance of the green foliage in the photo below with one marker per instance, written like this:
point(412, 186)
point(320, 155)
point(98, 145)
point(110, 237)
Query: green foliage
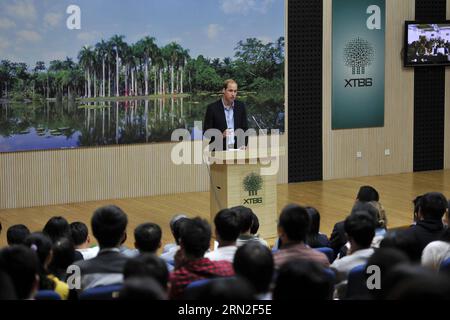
point(252, 182)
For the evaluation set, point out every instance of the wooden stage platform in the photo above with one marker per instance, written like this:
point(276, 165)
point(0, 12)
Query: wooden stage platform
point(333, 199)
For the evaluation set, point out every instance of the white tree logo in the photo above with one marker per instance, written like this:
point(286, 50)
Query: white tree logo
point(358, 54)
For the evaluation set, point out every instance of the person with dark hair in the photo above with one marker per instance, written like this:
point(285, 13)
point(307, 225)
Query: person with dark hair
point(190, 265)
point(63, 256)
point(42, 245)
point(147, 237)
point(222, 289)
point(82, 240)
point(248, 221)
point(254, 262)
point(170, 249)
point(16, 234)
point(386, 259)
point(314, 238)
point(57, 227)
point(142, 288)
point(227, 223)
point(360, 229)
point(293, 227)
point(405, 242)
point(109, 225)
point(302, 280)
point(7, 290)
point(437, 251)
point(338, 238)
point(429, 226)
point(21, 265)
point(147, 265)
point(416, 203)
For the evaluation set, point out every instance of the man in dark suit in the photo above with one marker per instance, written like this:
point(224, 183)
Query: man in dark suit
point(226, 115)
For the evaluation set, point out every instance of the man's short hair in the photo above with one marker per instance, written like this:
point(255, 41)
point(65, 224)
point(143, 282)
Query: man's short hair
point(147, 265)
point(79, 232)
point(254, 262)
point(57, 227)
point(175, 226)
point(360, 226)
point(142, 288)
point(245, 216)
point(227, 82)
point(294, 220)
point(255, 224)
point(16, 234)
point(228, 224)
point(368, 193)
point(108, 225)
point(21, 264)
point(433, 205)
point(195, 236)
point(148, 237)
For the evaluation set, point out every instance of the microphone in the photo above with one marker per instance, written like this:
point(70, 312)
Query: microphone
point(259, 127)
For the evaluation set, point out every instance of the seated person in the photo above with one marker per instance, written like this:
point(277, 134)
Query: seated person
point(249, 223)
point(315, 239)
point(170, 249)
point(16, 234)
point(82, 240)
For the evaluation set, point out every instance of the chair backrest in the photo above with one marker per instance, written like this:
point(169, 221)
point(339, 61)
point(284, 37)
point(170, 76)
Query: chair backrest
point(101, 293)
point(47, 295)
point(332, 278)
point(328, 252)
point(445, 266)
point(356, 286)
point(198, 283)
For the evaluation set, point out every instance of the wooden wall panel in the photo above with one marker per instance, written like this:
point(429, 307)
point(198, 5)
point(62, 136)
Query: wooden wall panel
point(66, 176)
point(340, 146)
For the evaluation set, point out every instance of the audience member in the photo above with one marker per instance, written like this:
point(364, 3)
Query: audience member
point(227, 223)
point(82, 240)
point(109, 225)
point(314, 238)
point(292, 229)
point(190, 265)
point(147, 265)
point(170, 249)
point(63, 255)
point(16, 234)
point(254, 262)
point(57, 227)
point(247, 218)
point(142, 288)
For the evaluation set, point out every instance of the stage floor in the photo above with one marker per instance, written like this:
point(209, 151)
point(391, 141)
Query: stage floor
point(333, 199)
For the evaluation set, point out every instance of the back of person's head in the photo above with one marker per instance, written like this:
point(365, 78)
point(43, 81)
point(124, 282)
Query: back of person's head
point(403, 241)
point(254, 262)
point(314, 217)
point(40, 243)
point(417, 204)
point(386, 259)
point(176, 225)
point(302, 279)
point(360, 227)
point(16, 234)
point(7, 290)
point(228, 225)
point(433, 205)
point(142, 288)
point(57, 227)
point(246, 217)
point(21, 265)
point(404, 273)
point(368, 207)
point(431, 287)
point(367, 193)
point(147, 265)
point(222, 289)
point(294, 221)
point(148, 237)
point(255, 224)
point(63, 255)
point(79, 232)
point(108, 226)
point(195, 237)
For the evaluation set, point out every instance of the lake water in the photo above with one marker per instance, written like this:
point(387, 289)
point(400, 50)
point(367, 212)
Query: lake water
point(52, 125)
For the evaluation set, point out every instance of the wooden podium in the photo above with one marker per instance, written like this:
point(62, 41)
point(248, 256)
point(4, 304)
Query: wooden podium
point(236, 179)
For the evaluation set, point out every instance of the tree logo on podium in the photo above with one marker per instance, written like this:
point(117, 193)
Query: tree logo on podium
point(253, 183)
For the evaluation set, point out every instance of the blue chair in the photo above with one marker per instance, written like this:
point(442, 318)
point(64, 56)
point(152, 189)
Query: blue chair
point(328, 252)
point(110, 292)
point(332, 278)
point(47, 295)
point(356, 285)
point(198, 283)
point(445, 266)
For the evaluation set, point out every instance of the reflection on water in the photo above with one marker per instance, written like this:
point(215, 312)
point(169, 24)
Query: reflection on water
point(52, 125)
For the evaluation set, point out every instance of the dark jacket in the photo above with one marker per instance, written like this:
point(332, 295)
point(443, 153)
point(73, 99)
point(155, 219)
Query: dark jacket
point(424, 232)
point(215, 119)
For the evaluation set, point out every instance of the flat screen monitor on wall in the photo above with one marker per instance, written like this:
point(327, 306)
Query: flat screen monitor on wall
point(427, 43)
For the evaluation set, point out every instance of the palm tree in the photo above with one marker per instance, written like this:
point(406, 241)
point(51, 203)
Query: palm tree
point(101, 50)
point(86, 58)
point(118, 45)
point(149, 49)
